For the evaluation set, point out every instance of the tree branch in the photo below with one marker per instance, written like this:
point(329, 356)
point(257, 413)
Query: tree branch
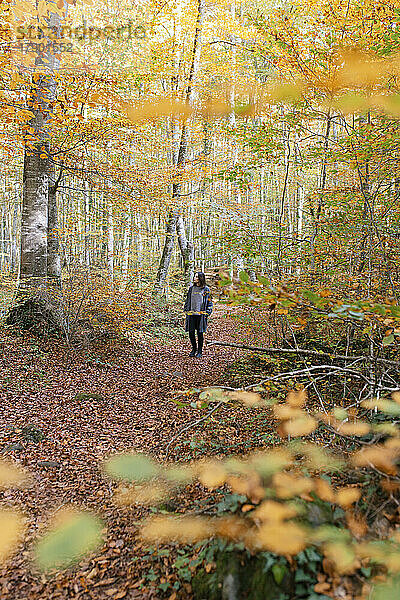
point(304, 352)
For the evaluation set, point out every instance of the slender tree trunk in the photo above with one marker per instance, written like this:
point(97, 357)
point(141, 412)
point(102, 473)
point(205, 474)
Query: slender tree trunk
point(110, 239)
point(322, 183)
point(180, 161)
point(126, 244)
point(53, 241)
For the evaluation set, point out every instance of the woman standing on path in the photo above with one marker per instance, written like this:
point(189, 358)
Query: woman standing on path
point(198, 307)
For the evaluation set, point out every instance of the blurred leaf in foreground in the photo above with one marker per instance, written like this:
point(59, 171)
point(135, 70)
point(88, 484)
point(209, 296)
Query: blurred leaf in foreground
point(71, 535)
point(11, 529)
point(10, 475)
point(131, 467)
point(387, 591)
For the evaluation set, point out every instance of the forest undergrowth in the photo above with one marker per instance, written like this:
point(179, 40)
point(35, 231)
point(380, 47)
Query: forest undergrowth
point(69, 406)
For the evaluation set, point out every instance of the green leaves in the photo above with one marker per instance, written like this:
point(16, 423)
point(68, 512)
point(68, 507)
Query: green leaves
point(387, 591)
point(131, 467)
point(72, 535)
point(279, 571)
point(389, 339)
point(243, 276)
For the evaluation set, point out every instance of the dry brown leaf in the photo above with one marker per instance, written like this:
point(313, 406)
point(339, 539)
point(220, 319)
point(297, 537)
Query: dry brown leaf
point(249, 486)
point(321, 588)
point(232, 528)
point(357, 524)
point(282, 538)
point(390, 486)
point(393, 443)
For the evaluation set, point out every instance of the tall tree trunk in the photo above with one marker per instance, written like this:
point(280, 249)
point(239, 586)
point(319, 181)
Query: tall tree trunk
point(53, 241)
point(180, 162)
point(110, 239)
point(321, 191)
point(33, 301)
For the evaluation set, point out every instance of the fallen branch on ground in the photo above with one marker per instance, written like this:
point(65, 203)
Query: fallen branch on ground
point(193, 424)
point(304, 352)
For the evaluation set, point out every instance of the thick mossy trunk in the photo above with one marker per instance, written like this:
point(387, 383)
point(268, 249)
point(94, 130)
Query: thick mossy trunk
point(239, 577)
point(37, 315)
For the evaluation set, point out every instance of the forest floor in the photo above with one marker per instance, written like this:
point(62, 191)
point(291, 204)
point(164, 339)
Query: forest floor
point(90, 402)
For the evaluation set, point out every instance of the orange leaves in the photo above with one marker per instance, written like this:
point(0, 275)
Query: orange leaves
point(183, 529)
point(296, 422)
point(281, 537)
point(345, 497)
point(274, 512)
point(167, 107)
point(285, 412)
point(297, 399)
point(299, 427)
point(248, 398)
point(323, 490)
point(357, 524)
point(212, 474)
point(249, 486)
point(10, 475)
point(358, 429)
point(152, 110)
point(231, 528)
point(12, 525)
point(150, 494)
point(288, 485)
point(378, 456)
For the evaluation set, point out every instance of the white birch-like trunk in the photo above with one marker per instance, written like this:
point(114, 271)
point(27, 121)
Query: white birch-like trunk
point(126, 243)
point(33, 296)
point(110, 239)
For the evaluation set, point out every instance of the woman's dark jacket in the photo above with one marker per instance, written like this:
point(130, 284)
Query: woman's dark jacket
point(206, 307)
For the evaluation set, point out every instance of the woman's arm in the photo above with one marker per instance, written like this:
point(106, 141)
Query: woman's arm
point(209, 304)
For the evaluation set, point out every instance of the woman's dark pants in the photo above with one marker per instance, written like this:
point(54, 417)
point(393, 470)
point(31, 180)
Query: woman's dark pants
point(194, 325)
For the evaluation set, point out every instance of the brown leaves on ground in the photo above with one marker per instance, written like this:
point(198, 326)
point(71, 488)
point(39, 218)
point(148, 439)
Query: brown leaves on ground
point(90, 404)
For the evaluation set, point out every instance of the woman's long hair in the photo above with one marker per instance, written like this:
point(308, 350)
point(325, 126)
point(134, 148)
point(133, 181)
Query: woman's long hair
point(202, 278)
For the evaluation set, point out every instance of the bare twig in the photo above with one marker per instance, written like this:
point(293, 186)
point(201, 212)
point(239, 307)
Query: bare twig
point(193, 424)
point(304, 352)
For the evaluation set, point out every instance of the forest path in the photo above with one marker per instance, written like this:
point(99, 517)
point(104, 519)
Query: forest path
point(127, 407)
